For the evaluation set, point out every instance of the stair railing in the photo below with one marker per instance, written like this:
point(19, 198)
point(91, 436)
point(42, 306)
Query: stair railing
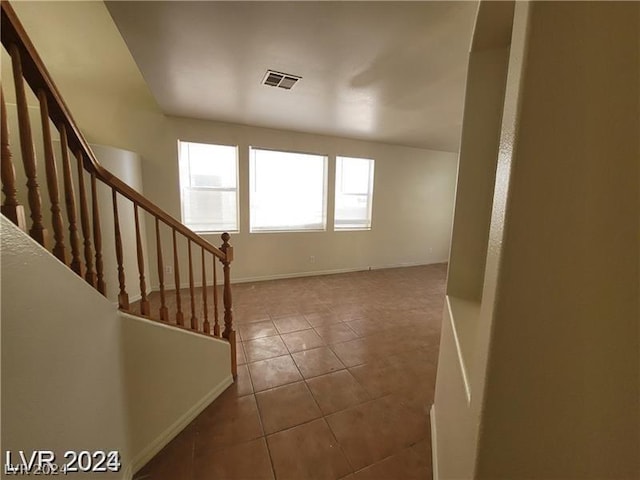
point(84, 252)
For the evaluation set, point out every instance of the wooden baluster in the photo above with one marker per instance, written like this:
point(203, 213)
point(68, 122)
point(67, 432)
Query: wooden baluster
point(194, 319)
point(164, 313)
point(52, 180)
point(123, 296)
point(216, 325)
point(144, 302)
point(10, 207)
point(90, 275)
point(229, 333)
point(37, 231)
point(206, 327)
point(176, 276)
point(70, 202)
point(97, 236)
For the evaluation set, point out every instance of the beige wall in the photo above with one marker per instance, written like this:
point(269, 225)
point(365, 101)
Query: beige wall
point(162, 394)
point(413, 191)
point(463, 344)
point(486, 79)
point(553, 388)
point(413, 195)
point(569, 274)
point(62, 387)
point(79, 375)
point(127, 166)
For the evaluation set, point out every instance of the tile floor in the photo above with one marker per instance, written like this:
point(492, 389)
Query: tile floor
point(336, 375)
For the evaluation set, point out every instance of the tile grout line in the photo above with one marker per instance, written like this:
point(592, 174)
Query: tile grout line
point(333, 434)
point(264, 436)
point(375, 334)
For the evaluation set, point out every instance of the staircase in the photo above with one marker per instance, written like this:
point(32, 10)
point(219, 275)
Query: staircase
point(93, 359)
point(73, 232)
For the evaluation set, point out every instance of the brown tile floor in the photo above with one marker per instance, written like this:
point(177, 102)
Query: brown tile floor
point(336, 375)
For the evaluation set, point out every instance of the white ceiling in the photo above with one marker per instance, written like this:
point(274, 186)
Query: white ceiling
point(385, 71)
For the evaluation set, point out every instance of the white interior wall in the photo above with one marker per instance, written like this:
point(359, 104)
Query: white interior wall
point(413, 195)
point(561, 381)
point(412, 204)
point(127, 166)
point(553, 390)
point(62, 386)
point(79, 375)
point(162, 396)
point(463, 343)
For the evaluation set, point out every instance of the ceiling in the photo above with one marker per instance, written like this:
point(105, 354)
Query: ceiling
point(391, 72)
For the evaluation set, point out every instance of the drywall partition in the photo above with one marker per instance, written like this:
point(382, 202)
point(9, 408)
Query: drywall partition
point(476, 170)
point(127, 166)
point(171, 375)
point(79, 375)
point(62, 384)
point(562, 394)
point(486, 80)
point(455, 415)
point(554, 392)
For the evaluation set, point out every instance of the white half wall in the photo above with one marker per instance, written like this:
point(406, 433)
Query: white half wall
point(62, 358)
point(166, 387)
point(79, 375)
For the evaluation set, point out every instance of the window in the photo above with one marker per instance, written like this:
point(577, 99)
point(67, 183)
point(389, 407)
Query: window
point(354, 193)
point(288, 191)
point(209, 186)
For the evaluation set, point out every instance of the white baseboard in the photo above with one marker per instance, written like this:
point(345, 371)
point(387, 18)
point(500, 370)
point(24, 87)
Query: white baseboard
point(434, 443)
point(134, 298)
point(141, 459)
point(281, 276)
point(127, 473)
point(325, 272)
point(315, 273)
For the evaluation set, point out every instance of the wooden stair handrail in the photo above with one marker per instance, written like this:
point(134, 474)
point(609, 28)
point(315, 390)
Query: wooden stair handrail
point(28, 67)
point(37, 76)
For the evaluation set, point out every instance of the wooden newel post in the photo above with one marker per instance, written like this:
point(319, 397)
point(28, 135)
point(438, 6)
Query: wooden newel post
point(228, 333)
point(228, 313)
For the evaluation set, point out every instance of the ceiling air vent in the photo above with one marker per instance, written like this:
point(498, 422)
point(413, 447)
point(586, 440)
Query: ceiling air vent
point(280, 80)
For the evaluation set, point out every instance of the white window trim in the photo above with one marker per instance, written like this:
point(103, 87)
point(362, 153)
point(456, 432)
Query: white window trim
point(369, 196)
point(218, 189)
point(296, 228)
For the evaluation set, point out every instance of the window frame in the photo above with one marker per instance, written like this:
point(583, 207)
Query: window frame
point(369, 195)
point(325, 181)
point(209, 188)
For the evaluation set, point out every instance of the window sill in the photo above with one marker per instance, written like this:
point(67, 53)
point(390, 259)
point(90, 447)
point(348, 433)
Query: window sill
point(354, 229)
point(208, 232)
point(290, 231)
